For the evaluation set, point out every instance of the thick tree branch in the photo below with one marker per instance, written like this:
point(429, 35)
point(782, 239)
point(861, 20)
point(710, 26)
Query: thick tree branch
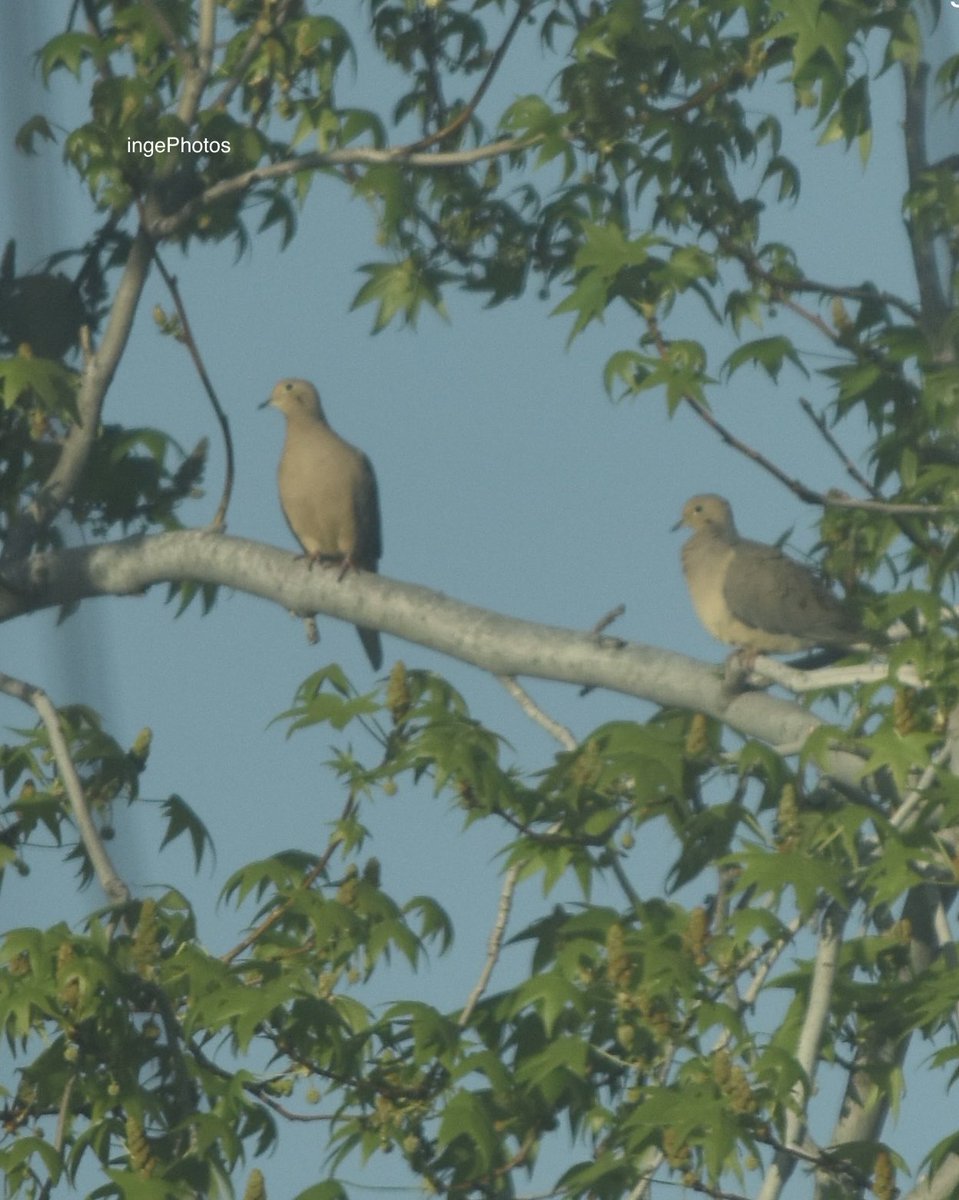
point(198, 70)
point(942, 1186)
point(499, 644)
point(934, 307)
point(866, 1103)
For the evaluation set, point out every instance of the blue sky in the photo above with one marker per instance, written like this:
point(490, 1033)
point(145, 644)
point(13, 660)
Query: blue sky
point(507, 479)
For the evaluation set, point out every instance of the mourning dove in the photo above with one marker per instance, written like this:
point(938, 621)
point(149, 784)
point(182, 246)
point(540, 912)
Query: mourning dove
point(751, 595)
point(328, 492)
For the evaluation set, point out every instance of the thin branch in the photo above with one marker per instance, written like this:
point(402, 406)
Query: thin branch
point(851, 469)
point(802, 491)
point(902, 817)
point(255, 1088)
point(111, 882)
point(494, 944)
point(495, 63)
point(616, 866)
point(347, 156)
point(949, 163)
point(602, 624)
point(261, 32)
point(173, 42)
point(942, 1185)
point(218, 523)
point(781, 286)
point(278, 910)
point(529, 706)
point(805, 493)
point(801, 681)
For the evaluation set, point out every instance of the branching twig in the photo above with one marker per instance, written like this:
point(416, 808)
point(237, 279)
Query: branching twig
point(902, 817)
point(799, 489)
point(115, 888)
point(781, 286)
point(309, 879)
point(347, 156)
point(261, 31)
point(496, 61)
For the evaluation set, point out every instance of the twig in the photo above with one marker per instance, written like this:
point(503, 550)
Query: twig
point(901, 818)
point(801, 490)
point(115, 888)
point(604, 622)
point(262, 30)
point(807, 494)
point(949, 163)
point(218, 523)
point(529, 706)
point(852, 470)
point(800, 681)
point(495, 62)
point(755, 270)
point(494, 943)
point(309, 879)
point(347, 156)
point(255, 1088)
point(624, 882)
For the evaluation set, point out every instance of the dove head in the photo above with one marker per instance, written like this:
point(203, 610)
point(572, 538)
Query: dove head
point(709, 512)
point(297, 399)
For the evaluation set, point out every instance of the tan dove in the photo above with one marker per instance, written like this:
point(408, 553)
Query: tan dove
point(752, 595)
point(328, 492)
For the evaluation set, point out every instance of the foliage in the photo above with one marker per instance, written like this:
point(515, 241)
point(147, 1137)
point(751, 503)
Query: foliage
point(652, 1036)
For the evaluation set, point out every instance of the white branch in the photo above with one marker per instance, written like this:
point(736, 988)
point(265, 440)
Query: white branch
point(110, 880)
point(498, 644)
point(807, 1051)
point(564, 736)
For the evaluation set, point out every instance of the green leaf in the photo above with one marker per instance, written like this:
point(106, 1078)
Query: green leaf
point(769, 353)
point(30, 130)
point(400, 290)
point(466, 1117)
point(182, 819)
